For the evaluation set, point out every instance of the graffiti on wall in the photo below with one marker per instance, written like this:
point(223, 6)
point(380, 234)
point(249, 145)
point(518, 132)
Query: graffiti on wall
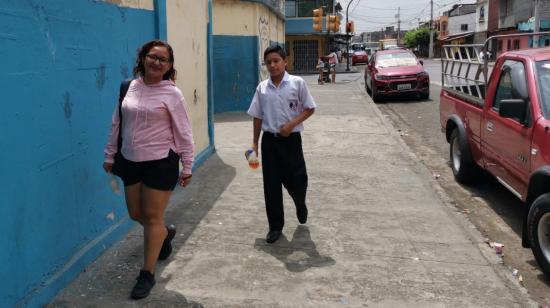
point(263, 42)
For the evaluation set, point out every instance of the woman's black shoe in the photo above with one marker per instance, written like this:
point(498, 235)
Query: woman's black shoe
point(166, 249)
point(144, 284)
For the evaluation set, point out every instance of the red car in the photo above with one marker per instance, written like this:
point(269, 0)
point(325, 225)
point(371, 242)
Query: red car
point(395, 72)
point(359, 56)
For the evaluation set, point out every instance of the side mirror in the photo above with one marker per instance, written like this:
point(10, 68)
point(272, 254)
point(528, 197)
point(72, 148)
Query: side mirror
point(513, 109)
point(421, 62)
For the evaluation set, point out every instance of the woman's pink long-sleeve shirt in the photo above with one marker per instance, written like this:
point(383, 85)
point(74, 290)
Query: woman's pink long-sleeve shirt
point(155, 120)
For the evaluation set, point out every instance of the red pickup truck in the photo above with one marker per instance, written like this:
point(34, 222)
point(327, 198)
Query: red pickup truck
point(502, 126)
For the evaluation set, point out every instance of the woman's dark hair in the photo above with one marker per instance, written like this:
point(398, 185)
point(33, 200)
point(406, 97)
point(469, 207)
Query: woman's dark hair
point(139, 69)
point(275, 48)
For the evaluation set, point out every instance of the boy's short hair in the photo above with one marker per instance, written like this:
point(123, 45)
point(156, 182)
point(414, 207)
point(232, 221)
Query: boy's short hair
point(275, 48)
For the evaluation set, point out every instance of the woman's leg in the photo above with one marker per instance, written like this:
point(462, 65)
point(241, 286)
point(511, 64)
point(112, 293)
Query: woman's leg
point(153, 204)
point(133, 201)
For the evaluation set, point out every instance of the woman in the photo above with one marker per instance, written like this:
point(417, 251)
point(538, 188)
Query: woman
point(156, 134)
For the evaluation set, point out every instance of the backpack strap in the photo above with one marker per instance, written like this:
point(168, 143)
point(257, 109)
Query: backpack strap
point(124, 85)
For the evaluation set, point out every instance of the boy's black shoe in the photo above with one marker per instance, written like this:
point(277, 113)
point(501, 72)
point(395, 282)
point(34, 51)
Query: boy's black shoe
point(302, 215)
point(144, 284)
point(166, 249)
point(273, 235)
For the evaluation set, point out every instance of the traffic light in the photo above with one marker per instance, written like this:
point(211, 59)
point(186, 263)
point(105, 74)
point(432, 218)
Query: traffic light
point(333, 23)
point(350, 27)
point(318, 19)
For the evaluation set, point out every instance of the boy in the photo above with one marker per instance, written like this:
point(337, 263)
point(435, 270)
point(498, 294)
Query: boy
point(321, 67)
point(279, 106)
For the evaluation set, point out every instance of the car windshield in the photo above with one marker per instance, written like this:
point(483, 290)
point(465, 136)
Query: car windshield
point(395, 59)
point(543, 76)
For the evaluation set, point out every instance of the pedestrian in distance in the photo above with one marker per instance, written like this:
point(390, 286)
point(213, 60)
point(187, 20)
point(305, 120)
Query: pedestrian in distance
point(150, 134)
point(321, 67)
point(333, 60)
point(279, 107)
point(482, 65)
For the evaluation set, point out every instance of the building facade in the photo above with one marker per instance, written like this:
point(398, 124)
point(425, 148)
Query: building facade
point(517, 16)
point(242, 30)
point(304, 46)
point(461, 24)
point(486, 19)
point(61, 83)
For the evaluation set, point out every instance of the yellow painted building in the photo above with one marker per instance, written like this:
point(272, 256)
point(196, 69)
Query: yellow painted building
point(242, 30)
point(187, 30)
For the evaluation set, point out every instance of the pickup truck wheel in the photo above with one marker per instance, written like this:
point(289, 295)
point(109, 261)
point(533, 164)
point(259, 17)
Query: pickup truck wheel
point(464, 169)
point(538, 224)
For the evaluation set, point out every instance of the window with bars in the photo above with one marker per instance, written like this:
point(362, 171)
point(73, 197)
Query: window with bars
point(304, 8)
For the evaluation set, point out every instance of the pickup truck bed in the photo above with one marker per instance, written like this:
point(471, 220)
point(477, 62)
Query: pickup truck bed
point(502, 126)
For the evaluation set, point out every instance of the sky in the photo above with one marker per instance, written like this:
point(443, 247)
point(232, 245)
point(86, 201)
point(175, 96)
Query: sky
point(372, 15)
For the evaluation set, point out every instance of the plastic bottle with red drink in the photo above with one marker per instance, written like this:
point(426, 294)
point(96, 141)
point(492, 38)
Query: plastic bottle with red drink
point(252, 159)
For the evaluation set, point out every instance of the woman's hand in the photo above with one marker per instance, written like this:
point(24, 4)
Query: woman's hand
point(255, 148)
point(107, 167)
point(185, 179)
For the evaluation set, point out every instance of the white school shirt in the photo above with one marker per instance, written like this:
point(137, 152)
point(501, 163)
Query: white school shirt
point(277, 106)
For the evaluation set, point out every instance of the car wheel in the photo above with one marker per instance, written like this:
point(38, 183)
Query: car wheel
point(538, 224)
point(425, 95)
point(367, 86)
point(374, 94)
point(462, 164)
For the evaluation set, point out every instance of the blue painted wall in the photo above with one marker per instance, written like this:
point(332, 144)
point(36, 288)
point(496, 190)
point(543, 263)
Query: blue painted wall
point(235, 71)
point(62, 62)
point(298, 26)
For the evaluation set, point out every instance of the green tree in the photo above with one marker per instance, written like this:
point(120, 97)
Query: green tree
point(417, 38)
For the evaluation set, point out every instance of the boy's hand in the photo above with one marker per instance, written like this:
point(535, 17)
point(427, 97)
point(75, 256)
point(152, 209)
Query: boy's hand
point(255, 148)
point(286, 129)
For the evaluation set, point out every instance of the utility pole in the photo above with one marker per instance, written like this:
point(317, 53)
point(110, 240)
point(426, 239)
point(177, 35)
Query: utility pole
point(347, 37)
point(537, 24)
point(431, 51)
point(398, 25)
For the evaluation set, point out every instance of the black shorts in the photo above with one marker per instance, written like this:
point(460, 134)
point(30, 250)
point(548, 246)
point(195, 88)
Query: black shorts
point(161, 174)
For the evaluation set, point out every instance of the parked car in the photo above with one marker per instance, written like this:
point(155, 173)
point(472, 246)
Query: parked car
point(345, 54)
point(359, 56)
point(396, 72)
point(502, 127)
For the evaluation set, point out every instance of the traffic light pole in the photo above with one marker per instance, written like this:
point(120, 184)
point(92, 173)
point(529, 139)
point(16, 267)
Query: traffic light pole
point(347, 37)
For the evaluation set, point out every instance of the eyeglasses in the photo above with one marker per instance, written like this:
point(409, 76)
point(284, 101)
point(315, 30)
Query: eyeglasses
point(154, 58)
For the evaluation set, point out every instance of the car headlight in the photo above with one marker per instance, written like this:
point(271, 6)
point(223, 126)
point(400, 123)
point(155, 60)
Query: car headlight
point(381, 77)
point(423, 75)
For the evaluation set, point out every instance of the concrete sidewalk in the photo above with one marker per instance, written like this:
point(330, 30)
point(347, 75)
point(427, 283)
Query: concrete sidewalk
point(380, 233)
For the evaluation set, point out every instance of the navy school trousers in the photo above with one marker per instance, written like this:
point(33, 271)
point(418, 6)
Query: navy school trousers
point(283, 164)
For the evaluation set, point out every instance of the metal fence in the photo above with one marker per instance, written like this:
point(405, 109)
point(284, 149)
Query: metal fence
point(306, 55)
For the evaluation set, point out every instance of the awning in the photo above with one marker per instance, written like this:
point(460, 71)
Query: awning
point(458, 36)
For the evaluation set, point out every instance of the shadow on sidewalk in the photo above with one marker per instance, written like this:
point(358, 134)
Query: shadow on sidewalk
point(299, 254)
point(190, 205)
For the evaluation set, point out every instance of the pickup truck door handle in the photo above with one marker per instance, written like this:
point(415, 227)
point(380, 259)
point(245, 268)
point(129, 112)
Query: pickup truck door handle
point(489, 126)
